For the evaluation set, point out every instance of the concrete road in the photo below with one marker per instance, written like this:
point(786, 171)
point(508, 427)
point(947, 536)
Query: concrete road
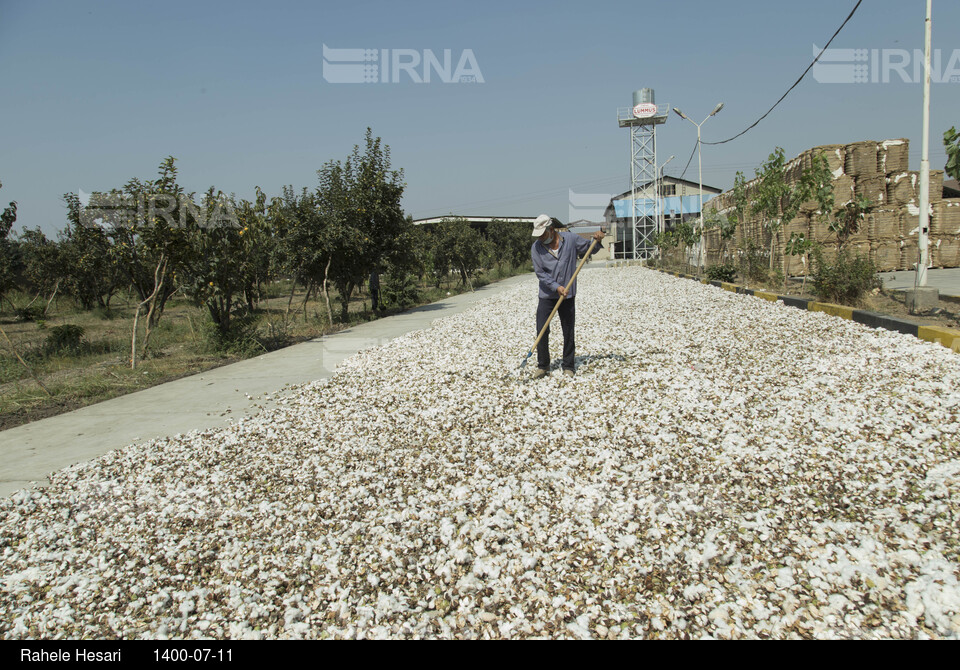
point(945, 279)
point(209, 399)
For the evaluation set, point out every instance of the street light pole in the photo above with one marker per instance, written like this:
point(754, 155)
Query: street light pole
point(924, 298)
point(923, 241)
point(700, 170)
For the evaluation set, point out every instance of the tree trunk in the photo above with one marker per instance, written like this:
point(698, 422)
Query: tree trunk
point(466, 277)
point(344, 288)
point(52, 296)
point(158, 277)
point(306, 297)
point(166, 290)
point(293, 290)
point(326, 294)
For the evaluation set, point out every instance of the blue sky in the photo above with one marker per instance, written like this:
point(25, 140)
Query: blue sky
point(95, 93)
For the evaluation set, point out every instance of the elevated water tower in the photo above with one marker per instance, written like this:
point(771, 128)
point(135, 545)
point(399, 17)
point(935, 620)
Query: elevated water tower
point(642, 119)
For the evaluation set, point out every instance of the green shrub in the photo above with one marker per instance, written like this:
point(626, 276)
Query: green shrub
point(241, 338)
point(777, 278)
point(725, 272)
point(66, 339)
point(399, 291)
point(754, 262)
point(29, 313)
point(845, 280)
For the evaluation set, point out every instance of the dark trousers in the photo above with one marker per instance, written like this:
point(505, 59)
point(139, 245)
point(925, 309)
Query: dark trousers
point(566, 314)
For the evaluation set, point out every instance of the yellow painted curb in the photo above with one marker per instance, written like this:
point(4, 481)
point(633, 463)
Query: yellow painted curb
point(772, 297)
point(728, 287)
point(946, 336)
point(832, 310)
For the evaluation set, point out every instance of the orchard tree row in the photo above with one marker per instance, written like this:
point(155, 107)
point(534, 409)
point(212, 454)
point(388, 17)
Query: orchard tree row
point(152, 238)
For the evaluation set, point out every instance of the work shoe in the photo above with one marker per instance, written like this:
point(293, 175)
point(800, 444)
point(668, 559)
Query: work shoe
point(568, 372)
point(540, 373)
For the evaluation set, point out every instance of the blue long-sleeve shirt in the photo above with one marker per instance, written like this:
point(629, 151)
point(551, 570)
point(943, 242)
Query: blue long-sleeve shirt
point(555, 272)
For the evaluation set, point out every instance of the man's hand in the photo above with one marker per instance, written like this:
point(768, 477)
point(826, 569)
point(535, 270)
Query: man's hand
point(562, 290)
point(598, 236)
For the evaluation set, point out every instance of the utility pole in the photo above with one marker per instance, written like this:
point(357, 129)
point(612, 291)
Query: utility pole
point(924, 298)
point(700, 170)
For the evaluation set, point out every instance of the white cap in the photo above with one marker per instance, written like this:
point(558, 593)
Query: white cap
point(541, 223)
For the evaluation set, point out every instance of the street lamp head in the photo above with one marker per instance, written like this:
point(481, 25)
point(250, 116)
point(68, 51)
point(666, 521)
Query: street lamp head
point(682, 115)
point(716, 109)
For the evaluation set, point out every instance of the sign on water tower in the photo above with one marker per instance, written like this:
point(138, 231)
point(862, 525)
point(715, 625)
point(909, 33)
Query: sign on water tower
point(645, 110)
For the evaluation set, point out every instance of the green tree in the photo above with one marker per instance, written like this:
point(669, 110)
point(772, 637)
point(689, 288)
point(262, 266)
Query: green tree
point(724, 225)
point(42, 263)
point(216, 271)
point(741, 202)
point(145, 223)
point(300, 249)
point(777, 201)
point(667, 242)
point(363, 223)
point(158, 231)
point(460, 248)
point(259, 242)
point(846, 221)
point(509, 242)
point(771, 190)
point(799, 245)
point(816, 183)
point(687, 235)
point(90, 270)
point(419, 242)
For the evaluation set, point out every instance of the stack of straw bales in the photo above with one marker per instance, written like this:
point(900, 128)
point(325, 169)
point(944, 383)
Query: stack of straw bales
point(878, 171)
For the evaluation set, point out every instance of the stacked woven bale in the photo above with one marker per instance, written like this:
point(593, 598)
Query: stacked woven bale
point(712, 245)
point(945, 233)
point(907, 188)
point(879, 172)
point(884, 233)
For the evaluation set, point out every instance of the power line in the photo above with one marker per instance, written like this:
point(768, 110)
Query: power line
point(809, 67)
point(695, 145)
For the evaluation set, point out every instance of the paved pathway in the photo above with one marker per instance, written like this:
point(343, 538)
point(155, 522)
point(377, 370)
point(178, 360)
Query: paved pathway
point(945, 279)
point(212, 398)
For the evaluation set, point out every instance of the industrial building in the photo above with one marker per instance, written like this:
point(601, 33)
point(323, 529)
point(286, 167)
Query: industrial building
point(679, 201)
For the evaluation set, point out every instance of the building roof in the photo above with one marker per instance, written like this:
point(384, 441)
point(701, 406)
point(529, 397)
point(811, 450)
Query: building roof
point(667, 179)
point(585, 227)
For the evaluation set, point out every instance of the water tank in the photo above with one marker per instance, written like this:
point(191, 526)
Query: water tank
point(643, 95)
